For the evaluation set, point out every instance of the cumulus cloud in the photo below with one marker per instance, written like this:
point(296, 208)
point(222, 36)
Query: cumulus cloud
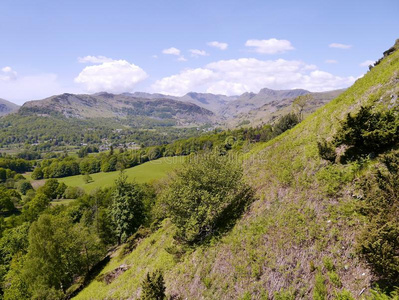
point(236, 76)
point(197, 52)
point(19, 89)
point(114, 76)
point(94, 59)
point(181, 58)
point(340, 46)
point(367, 63)
point(219, 45)
point(271, 46)
point(7, 74)
point(331, 61)
point(171, 51)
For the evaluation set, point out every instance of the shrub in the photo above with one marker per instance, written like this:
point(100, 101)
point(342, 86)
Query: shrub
point(207, 194)
point(326, 150)
point(73, 192)
point(366, 133)
point(378, 244)
point(24, 186)
point(153, 287)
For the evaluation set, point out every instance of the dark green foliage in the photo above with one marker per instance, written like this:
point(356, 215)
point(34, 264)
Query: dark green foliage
point(153, 287)
point(6, 203)
point(53, 189)
point(15, 164)
point(24, 186)
point(366, 133)
point(84, 151)
point(207, 194)
point(37, 173)
point(379, 242)
point(286, 122)
point(369, 132)
point(127, 209)
point(326, 150)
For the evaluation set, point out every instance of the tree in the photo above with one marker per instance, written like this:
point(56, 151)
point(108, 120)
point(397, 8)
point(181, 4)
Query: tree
point(207, 194)
point(36, 206)
point(300, 103)
point(58, 252)
point(37, 173)
point(24, 186)
point(3, 175)
point(6, 203)
point(87, 178)
point(127, 208)
point(153, 287)
point(50, 188)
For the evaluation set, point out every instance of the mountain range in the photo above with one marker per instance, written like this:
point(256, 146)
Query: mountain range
point(190, 109)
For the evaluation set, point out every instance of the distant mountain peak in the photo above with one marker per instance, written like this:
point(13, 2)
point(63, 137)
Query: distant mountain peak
point(7, 107)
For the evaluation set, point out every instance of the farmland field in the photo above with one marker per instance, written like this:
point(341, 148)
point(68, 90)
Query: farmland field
point(146, 172)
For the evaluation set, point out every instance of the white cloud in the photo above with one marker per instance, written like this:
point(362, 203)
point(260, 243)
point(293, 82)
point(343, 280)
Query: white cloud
point(171, 51)
point(219, 45)
point(236, 76)
point(32, 87)
point(116, 76)
point(331, 61)
point(271, 46)
point(367, 63)
point(181, 58)
point(21, 88)
point(94, 59)
point(7, 74)
point(197, 52)
point(340, 46)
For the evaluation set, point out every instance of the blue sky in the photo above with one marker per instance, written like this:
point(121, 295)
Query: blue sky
point(51, 47)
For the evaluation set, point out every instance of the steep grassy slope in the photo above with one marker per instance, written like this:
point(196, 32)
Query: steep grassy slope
point(296, 241)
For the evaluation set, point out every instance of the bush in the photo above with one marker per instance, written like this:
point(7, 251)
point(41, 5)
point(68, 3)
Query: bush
point(366, 133)
point(207, 194)
point(326, 150)
point(153, 287)
point(73, 192)
point(378, 244)
point(24, 186)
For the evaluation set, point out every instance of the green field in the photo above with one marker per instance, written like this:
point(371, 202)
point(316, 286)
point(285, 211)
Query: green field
point(146, 172)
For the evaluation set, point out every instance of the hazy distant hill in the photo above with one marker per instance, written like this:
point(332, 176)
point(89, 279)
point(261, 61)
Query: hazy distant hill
point(275, 108)
point(249, 101)
point(106, 105)
point(7, 107)
point(235, 108)
point(215, 103)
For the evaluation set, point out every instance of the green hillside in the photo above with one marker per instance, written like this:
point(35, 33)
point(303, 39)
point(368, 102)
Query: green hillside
point(297, 240)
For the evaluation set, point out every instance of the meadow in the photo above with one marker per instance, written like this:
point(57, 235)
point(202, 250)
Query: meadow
point(146, 172)
point(143, 173)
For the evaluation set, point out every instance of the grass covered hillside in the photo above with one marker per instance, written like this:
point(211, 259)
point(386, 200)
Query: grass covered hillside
point(302, 235)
